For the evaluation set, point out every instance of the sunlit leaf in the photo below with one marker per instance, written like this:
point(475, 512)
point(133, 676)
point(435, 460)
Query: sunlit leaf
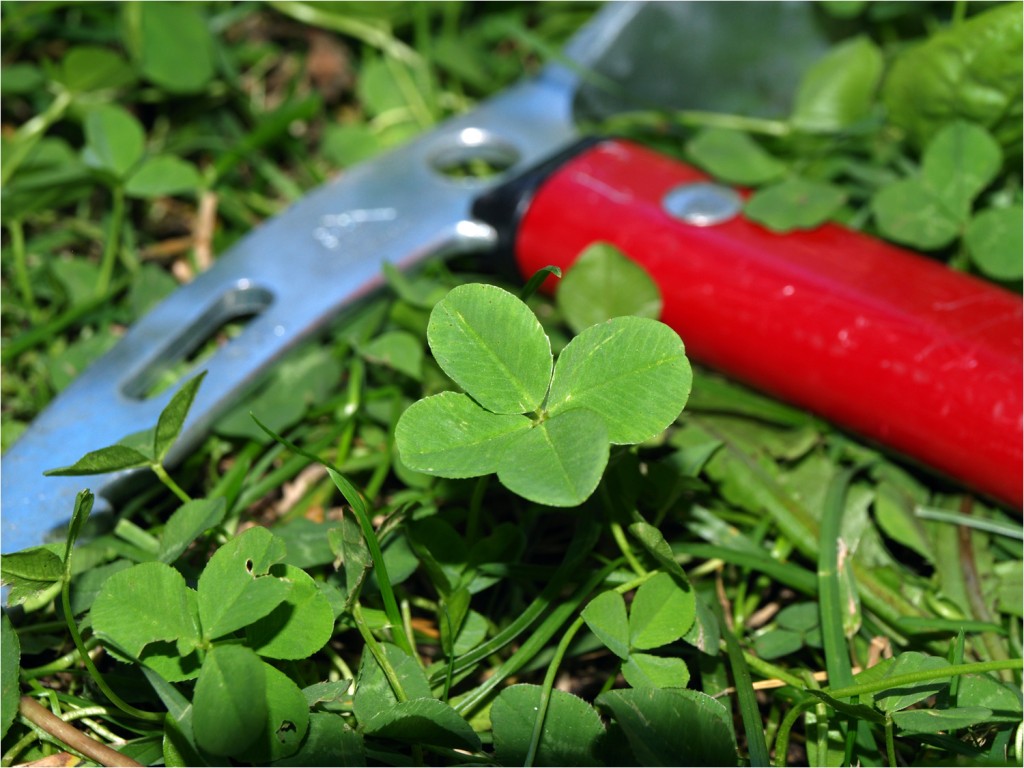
point(631, 371)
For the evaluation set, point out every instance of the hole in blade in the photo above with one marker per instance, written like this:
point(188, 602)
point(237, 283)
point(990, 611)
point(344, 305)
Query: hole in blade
point(473, 154)
point(197, 342)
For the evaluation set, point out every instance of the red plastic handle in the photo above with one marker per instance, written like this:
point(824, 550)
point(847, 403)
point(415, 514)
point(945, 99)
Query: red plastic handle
point(879, 340)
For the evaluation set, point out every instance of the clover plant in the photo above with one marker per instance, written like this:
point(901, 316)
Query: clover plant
point(544, 427)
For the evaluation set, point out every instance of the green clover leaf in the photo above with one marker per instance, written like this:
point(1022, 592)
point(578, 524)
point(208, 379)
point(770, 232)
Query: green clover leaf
point(493, 346)
point(632, 371)
point(547, 436)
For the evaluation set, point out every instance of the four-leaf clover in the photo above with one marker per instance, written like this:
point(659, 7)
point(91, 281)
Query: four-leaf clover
point(544, 427)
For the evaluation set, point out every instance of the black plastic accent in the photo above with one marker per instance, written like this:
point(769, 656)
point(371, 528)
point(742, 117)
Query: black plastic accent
point(504, 206)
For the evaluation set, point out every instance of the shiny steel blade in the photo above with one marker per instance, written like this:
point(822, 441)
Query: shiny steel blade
point(291, 276)
point(298, 271)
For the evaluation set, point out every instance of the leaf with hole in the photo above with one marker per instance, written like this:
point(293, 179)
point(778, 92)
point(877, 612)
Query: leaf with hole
point(287, 720)
point(662, 611)
point(236, 588)
point(572, 732)
point(631, 371)
point(299, 626)
point(330, 741)
point(230, 700)
point(493, 346)
point(604, 283)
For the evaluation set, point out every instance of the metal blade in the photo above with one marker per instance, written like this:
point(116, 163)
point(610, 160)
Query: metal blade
point(291, 276)
point(297, 272)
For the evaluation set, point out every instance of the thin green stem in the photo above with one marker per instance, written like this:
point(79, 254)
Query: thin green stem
point(833, 556)
point(21, 275)
point(770, 671)
point(623, 543)
point(113, 241)
point(959, 12)
point(546, 688)
point(556, 661)
point(890, 741)
point(117, 701)
point(584, 538)
point(370, 535)
point(377, 650)
point(782, 738)
point(999, 527)
point(476, 506)
point(66, 661)
point(30, 133)
point(537, 641)
point(750, 714)
point(371, 34)
point(910, 678)
point(692, 118)
point(171, 485)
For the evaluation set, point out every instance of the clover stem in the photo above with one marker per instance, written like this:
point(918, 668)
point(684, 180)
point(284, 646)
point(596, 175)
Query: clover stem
point(117, 701)
point(21, 274)
point(377, 650)
point(113, 244)
point(620, 539)
point(171, 485)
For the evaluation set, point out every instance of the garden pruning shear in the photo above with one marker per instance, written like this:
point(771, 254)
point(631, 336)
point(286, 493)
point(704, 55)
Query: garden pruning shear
point(879, 340)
